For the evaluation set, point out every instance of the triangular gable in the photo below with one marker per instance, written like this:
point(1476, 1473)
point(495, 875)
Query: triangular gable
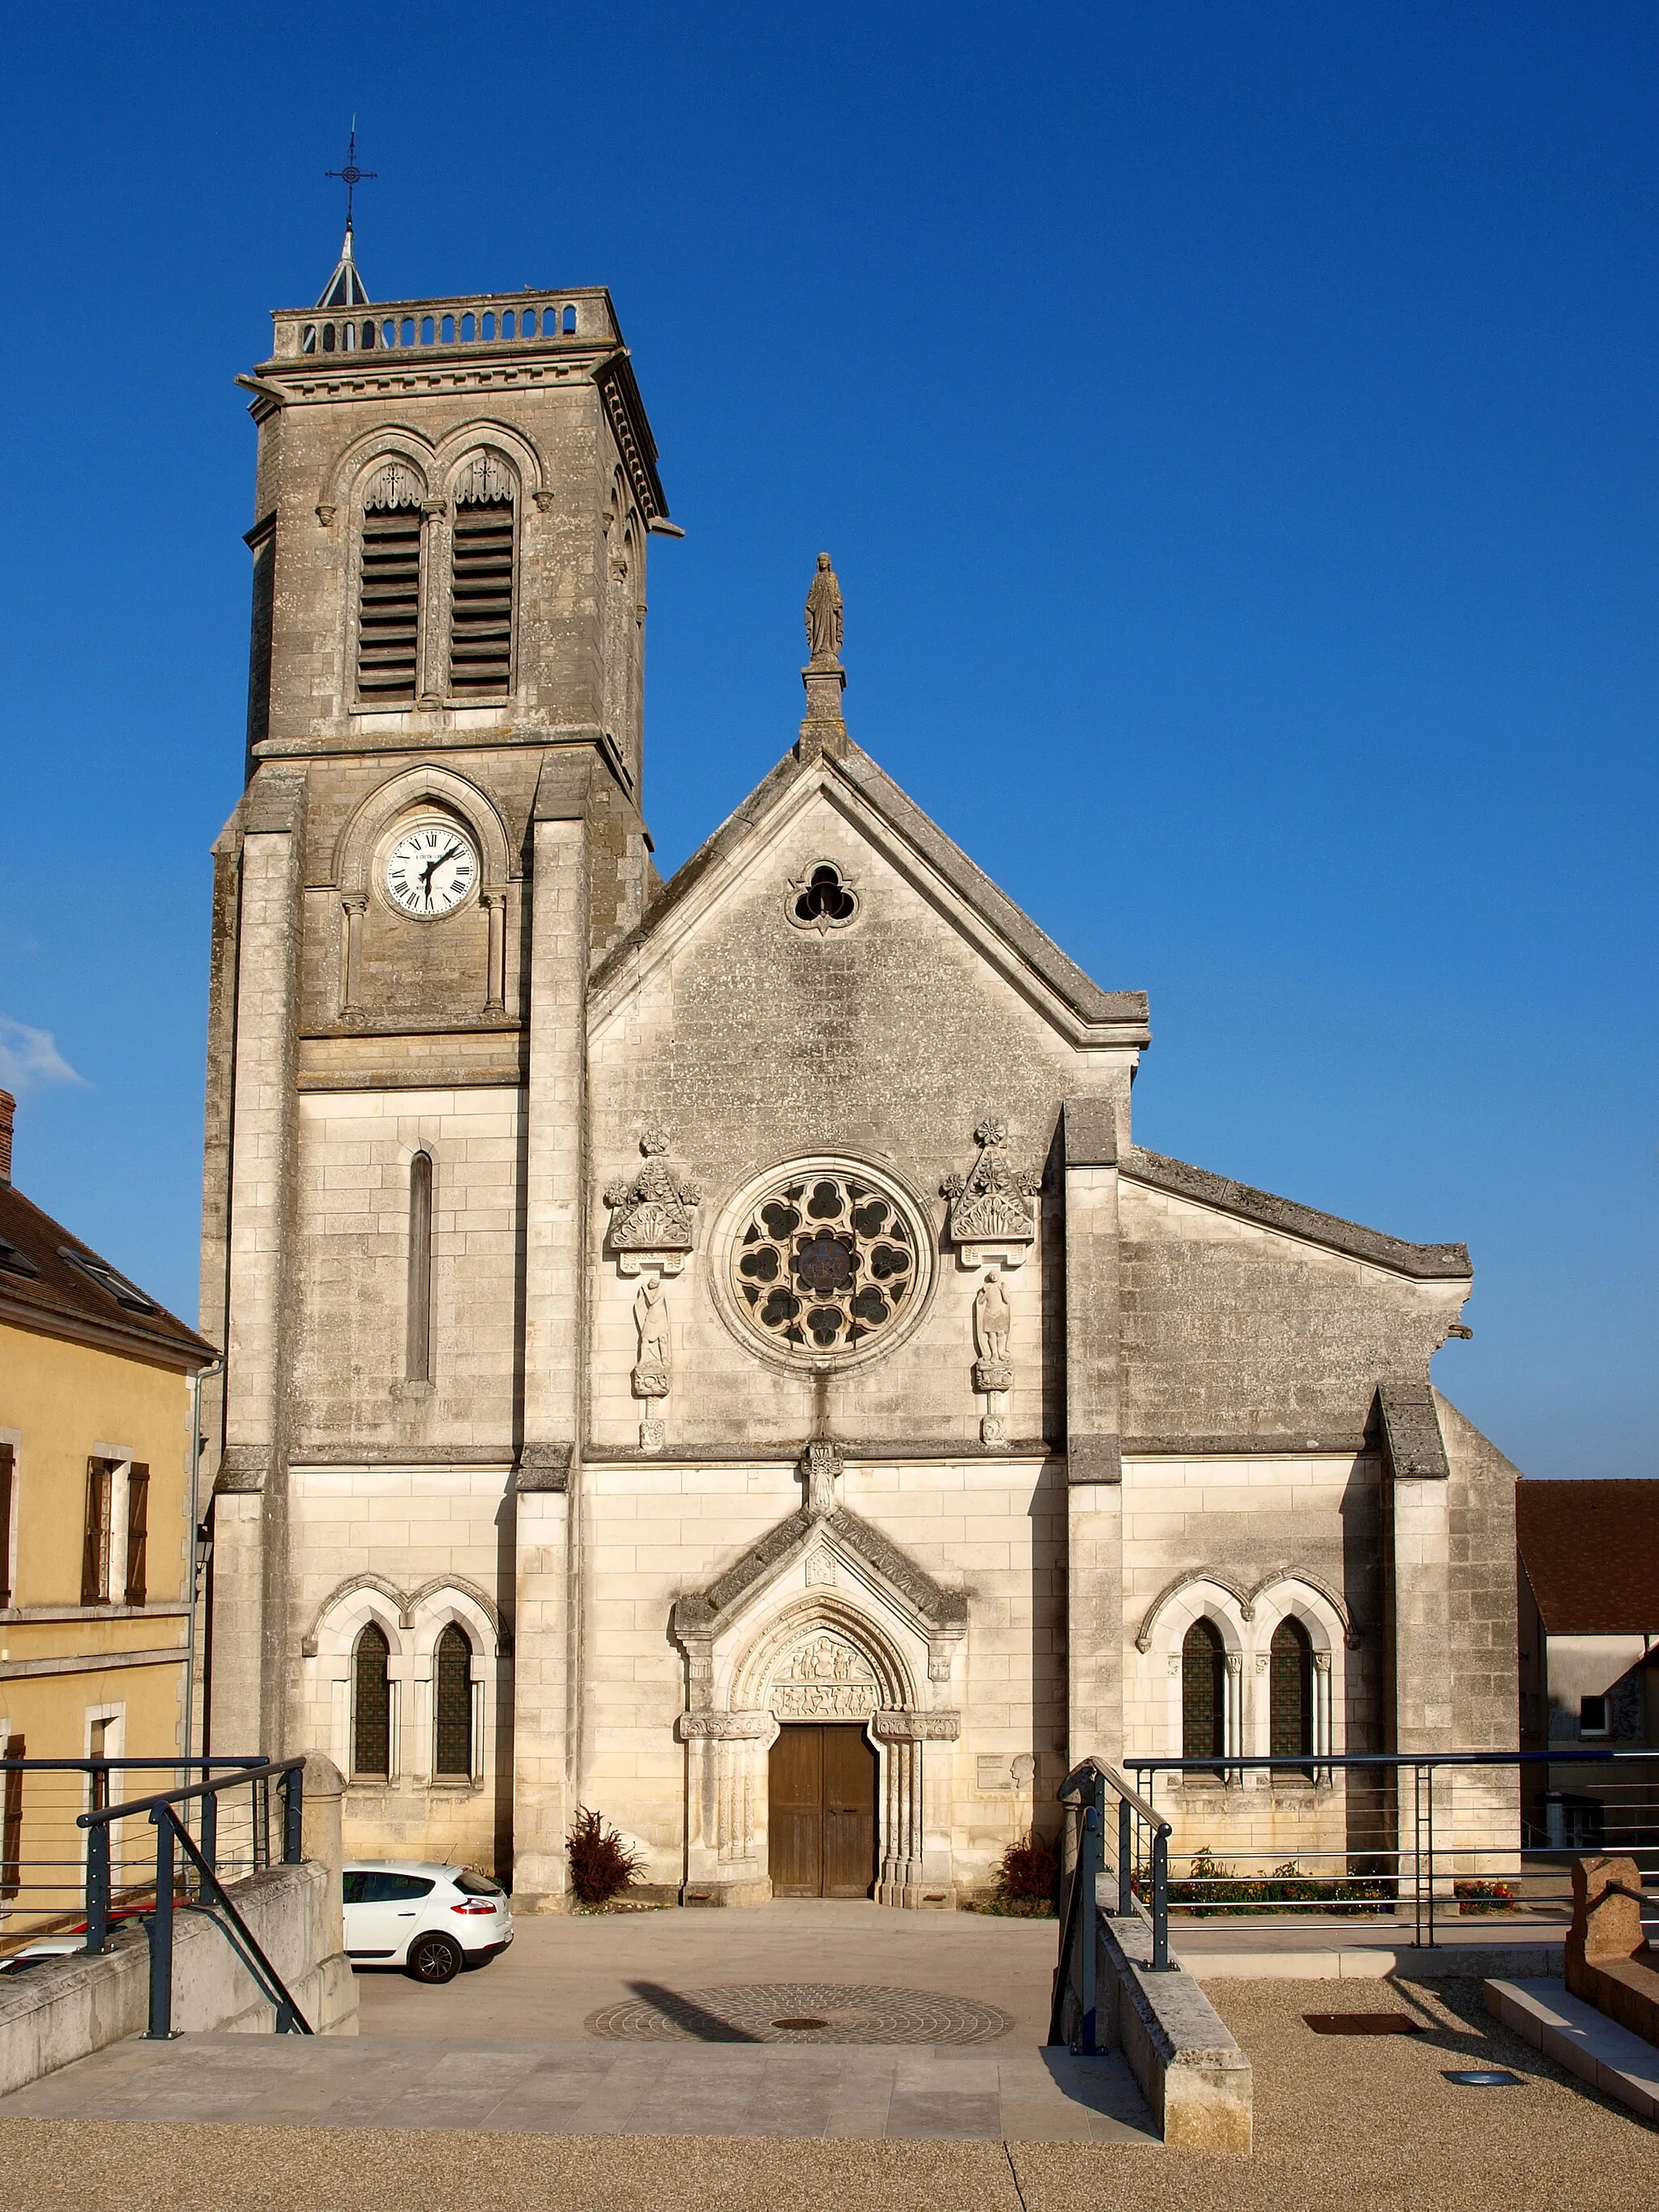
point(918, 850)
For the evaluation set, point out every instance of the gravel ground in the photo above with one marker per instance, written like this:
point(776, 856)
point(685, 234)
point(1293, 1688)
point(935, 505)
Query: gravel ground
point(1361, 2122)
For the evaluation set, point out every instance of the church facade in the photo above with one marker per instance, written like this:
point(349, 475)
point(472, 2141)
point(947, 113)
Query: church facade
point(712, 1352)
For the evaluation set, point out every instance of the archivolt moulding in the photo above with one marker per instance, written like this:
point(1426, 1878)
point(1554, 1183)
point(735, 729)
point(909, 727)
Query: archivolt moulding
point(1246, 1597)
point(427, 783)
point(405, 1603)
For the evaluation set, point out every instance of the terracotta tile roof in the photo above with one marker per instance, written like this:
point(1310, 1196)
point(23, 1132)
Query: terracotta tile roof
point(51, 1281)
point(1591, 1553)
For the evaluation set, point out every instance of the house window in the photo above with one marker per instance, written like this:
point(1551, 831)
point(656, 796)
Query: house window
point(389, 593)
point(417, 1359)
point(1289, 1693)
point(1593, 1716)
point(481, 581)
point(96, 1547)
point(137, 1533)
point(452, 1703)
point(1203, 1693)
point(371, 1718)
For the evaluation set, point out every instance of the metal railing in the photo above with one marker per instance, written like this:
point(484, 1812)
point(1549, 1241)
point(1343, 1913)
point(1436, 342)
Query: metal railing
point(1094, 1797)
point(1382, 1835)
point(74, 1862)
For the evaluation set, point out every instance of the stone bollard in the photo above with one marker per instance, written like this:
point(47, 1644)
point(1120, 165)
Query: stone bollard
point(1608, 1963)
point(319, 1832)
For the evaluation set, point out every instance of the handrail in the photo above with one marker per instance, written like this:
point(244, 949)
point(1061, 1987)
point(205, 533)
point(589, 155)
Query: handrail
point(253, 1774)
point(1083, 1793)
point(1141, 1805)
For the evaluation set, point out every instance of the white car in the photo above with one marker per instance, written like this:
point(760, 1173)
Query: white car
point(431, 1920)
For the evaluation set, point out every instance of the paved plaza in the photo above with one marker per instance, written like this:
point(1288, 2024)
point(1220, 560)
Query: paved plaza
point(489, 2093)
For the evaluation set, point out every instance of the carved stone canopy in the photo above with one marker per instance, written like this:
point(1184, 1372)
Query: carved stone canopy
point(992, 1213)
point(652, 1213)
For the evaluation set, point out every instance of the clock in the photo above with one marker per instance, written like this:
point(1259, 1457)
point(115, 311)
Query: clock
point(430, 869)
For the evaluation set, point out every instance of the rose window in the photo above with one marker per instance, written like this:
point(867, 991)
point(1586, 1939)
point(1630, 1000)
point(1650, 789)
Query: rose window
point(825, 1261)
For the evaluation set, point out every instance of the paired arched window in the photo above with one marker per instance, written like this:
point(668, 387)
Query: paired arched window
point(371, 1706)
point(394, 584)
point(452, 1704)
point(1291, 1692)
point(417, 1347)
point(1203, 1693)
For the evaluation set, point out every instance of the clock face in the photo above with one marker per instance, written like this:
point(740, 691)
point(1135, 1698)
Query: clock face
point(429, 871)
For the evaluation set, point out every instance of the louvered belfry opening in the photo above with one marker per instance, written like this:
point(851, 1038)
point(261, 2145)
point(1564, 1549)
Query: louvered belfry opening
point(389, 609)
point(481, 581)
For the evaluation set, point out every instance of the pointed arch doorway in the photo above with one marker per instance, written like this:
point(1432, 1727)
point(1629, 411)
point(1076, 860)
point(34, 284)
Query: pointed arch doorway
point(821, 1810)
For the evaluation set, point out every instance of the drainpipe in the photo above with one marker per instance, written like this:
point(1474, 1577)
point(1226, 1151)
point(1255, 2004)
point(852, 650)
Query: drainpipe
point(193, 1561)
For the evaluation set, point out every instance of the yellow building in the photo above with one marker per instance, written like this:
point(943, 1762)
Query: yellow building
point(96, 1536)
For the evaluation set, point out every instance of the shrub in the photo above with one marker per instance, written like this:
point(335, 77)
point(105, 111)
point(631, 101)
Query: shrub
point(601, 1864)
point(1027, 1879)
point(1483, 1896)
point(1212, 1886)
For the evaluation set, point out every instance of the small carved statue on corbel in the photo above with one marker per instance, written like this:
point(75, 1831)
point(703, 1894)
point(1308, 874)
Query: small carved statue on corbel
point(653, 1369)
point(652, 1224)
point(994, 1371)
point(992, 1213)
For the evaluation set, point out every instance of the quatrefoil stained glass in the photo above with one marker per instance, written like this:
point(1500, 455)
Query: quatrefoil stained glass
point(825, 1262)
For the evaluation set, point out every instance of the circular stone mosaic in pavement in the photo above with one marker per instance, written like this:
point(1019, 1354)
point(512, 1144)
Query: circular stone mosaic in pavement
point(778, 2012)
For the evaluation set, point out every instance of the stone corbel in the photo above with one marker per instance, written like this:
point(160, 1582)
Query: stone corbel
point(543, 1466)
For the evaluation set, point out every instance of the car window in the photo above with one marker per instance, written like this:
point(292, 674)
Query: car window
point(351, 1888)
point(477, 1885)
point(403, 1886)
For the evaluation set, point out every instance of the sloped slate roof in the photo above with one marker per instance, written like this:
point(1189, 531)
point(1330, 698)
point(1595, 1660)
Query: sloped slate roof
point(858, 773)
point(83, 1297)
point(1591, 1553)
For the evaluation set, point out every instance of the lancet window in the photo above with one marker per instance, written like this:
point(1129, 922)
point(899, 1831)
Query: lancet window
point(389, 591)
point(481, 579)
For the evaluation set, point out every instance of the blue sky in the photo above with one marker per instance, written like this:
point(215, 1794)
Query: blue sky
point(1234, 426)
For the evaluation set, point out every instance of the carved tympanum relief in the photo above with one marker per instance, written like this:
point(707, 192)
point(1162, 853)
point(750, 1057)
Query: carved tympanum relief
point(826, 1678)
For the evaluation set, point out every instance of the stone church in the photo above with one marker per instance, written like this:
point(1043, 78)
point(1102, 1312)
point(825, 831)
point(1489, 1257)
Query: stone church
point(713, 1351)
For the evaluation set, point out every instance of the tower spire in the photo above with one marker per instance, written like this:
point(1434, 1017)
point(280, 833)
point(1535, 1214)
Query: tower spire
point(344, 289)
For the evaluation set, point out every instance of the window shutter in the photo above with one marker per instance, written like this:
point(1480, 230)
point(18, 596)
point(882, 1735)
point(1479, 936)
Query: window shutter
point(11, 1828)
point(94, 1556)
point(137, 1532)
point(389, 602)
point(480, 587)
point(7, 1470)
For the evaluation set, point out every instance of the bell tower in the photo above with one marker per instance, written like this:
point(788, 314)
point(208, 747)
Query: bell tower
point(441, 831)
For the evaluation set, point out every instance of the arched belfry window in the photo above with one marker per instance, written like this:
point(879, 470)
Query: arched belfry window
point(481, 580)
point(417, 1356)
point(389, 593)
point(371, 1706)
point(1291, 1692)
point(1203, 1693)
point(452, 1700)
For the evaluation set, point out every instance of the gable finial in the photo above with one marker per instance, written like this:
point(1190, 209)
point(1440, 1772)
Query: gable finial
point(824, 729)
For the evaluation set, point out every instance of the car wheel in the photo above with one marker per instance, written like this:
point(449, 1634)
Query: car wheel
point(434, 1957)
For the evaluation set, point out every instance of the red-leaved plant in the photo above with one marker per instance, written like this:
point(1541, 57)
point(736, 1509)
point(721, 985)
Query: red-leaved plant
point(601, 1864)
point(1028, 1879)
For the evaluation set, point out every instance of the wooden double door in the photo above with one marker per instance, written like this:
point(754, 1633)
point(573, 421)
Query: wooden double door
point(820, 1821)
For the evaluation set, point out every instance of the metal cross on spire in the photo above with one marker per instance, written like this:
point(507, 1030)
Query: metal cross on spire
point(351, 176)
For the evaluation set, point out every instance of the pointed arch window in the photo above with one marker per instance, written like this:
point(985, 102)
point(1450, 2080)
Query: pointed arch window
point(418, 1352)
point(452, 1694)
point(389, 589)
point(1203, 1693)
point(1291, 1694)
point(481, 584)
point(371, 1714)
